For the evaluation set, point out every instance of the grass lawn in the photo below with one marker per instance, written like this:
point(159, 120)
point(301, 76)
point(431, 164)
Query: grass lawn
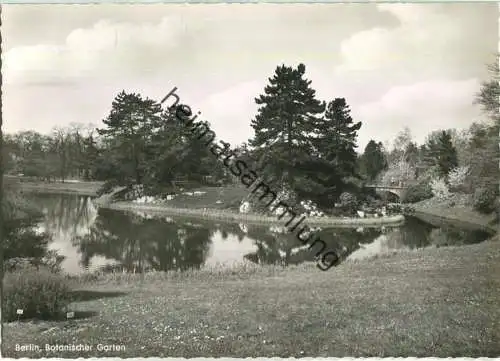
point(231, 197)
point(82, 188)
point(438, 212)
point(440, 302)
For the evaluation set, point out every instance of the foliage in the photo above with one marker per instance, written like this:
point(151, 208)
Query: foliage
point(429, 174)
point(399, 172)
point(485, 199)
point(417, 192)
point(373, 160)
point(23, 243)
point(66, 152)
point(39, 292)
point(401, 160)
point(129, 128)
point(288, 111)
point(411, 154)
point(300, 142)
point(302, 148)
point(20, 218)
point(333, 168)
point(403, 148)
point(348, 202)
point(461, 141)
point(440, 189)
point(439, 151)
point(489, 94)
point(484, 157)
point(50, 259)
point(457, 177)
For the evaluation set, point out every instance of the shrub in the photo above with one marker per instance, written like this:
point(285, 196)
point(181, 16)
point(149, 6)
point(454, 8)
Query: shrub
point(348, 202)
point(416, 193)
point(51, 260)
point(39, 292)
point(440, 189)
point(485, 199)
point(457, 178)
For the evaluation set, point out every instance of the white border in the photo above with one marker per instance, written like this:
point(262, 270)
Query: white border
point(271, 358)
point(247, 358)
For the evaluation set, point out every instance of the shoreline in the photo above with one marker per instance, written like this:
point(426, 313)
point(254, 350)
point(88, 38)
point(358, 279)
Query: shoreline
point(231, 216)
point(438, 215)
point(462, 217)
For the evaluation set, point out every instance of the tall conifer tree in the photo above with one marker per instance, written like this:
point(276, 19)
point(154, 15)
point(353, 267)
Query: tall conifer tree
point(334, 160)
point(288, 113)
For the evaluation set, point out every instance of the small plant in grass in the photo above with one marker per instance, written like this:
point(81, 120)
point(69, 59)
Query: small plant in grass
point(38, 291)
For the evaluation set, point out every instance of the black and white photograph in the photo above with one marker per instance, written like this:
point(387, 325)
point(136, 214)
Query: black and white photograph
point(250, 180)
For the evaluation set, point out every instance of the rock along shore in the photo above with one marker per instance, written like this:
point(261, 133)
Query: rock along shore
point(224, 215)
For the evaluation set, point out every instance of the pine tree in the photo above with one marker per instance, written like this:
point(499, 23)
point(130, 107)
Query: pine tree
point(288, 114)
point(334, 161)
point(130, 126)
point(440, 152)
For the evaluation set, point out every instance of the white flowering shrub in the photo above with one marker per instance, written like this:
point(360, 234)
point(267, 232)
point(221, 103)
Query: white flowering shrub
point(278, 211)
point(398, 172)
point(245, 207)
point(311, 209)
point(440, 189)
point(457, 177)
point(278, 229)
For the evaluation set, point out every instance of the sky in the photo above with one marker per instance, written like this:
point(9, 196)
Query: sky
point(397, 65)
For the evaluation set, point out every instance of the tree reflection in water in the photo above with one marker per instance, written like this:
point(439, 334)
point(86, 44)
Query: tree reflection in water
point(138, 242)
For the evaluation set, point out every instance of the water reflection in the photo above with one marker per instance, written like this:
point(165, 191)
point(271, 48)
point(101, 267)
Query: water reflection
point(135, 242)
point(139, 243)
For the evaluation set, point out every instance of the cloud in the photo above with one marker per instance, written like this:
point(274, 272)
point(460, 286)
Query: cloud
point(428, 82)
point(221, 56)
point(105, 48)
point(425, 42)
point(435, 104)
point(231, 110)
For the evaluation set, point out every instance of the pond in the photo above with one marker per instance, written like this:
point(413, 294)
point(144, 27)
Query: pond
point(92, 239)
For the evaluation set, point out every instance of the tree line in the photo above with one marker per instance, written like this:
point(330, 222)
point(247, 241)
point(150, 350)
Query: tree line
point(301, 143)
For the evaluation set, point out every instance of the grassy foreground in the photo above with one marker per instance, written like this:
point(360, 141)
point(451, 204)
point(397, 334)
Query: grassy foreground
point(433, 302)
